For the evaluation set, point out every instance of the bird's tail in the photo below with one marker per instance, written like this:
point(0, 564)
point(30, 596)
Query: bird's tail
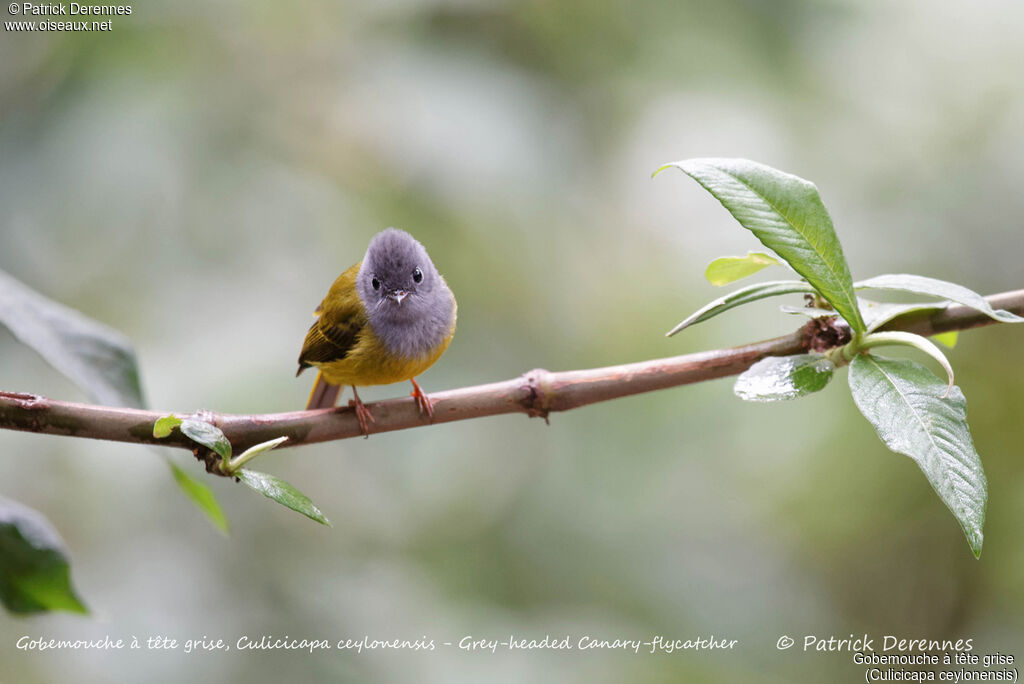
point(324, 394)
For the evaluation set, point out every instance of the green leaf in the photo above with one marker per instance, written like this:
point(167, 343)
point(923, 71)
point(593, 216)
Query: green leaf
point(780, 378)
point(197, 492)
point(164, 426)
point(202, 496)
point(98, 359)
point(904, 402)
point(725, 270)
point(35, 575)
point(931, 287)
point(283, 493)
point(208, 435)
point(254, 451)
point(905, 339)
point(786, 214)
point(947, 339)
point(877, 314)
point(744, 295)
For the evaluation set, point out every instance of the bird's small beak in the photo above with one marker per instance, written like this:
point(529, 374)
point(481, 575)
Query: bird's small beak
point(398, 296)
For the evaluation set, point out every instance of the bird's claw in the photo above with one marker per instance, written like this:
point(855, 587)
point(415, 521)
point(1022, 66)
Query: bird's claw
point(422, 400)
point(363, 415)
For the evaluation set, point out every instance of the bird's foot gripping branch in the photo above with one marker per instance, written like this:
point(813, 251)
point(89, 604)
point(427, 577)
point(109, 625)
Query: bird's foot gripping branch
point(914, 412)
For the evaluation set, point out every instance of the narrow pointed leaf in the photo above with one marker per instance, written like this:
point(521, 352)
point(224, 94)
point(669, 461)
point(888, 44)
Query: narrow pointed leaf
point(35, 575)
point(283, 493)
point(931, 287)
point(725, 270)
point(202, 496)
point(98, 359)
point(787, 215)
point(905, 404)
point(745, 295)
point(254, 451)
point(780, 378)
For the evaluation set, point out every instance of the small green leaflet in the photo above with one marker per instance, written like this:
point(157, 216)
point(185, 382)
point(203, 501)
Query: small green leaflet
point(164, 426)
point(254, 451)
point(725, 270)
point(947, 339)
point(283, 493)
point(787, 215)
point(208, 435)
point(35, 576)
point(780, 378)
point(904, 402)
point(212, 437)
point(198, 431)
point(197, 492)
point(202, 496)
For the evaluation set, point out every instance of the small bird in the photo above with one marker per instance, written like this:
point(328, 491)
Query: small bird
point(386, 319)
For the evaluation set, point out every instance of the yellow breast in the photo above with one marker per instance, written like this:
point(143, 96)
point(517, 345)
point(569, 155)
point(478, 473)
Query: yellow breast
point(370, 363)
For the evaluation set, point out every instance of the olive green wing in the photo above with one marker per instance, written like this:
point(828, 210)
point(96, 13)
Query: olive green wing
point(337, 329)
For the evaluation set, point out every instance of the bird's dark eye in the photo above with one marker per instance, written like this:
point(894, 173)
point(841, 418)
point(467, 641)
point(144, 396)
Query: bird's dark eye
point(417, 275)
point(375, 283)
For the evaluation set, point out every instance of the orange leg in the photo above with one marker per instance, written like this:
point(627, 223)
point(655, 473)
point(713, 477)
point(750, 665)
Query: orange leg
point(363, 414)
point(422, 400)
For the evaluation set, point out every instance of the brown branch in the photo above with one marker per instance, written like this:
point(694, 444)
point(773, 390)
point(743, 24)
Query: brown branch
point(536, 393)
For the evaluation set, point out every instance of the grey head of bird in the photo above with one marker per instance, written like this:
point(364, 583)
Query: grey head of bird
point(407, 302)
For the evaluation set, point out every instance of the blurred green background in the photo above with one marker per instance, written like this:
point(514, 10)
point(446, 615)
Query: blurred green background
point(199, 176)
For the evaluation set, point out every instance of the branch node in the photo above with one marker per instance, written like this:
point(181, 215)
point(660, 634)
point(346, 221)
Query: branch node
point(206, 416)
point(535, 401)
point(536, 393)
point(824, 333)
point(29, 402)
point(207, 456)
